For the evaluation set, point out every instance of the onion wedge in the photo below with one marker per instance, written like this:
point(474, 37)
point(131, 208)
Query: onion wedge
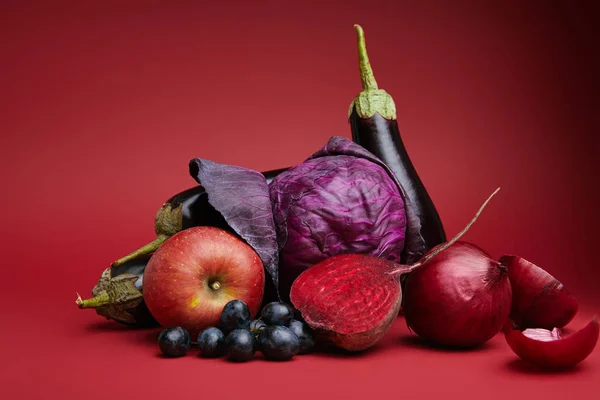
point(539, 300)
point(550, 349)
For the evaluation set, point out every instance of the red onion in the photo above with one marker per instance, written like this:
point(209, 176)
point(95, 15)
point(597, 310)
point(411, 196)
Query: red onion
point(550, 349)
point(539, 300)
point(461, 297)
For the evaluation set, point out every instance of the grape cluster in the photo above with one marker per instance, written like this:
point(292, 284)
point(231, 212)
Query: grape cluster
point(276, 334)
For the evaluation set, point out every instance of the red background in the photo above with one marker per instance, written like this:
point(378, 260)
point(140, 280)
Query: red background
point(104, 103)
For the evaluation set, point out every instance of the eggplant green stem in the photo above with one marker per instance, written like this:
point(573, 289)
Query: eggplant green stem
point(113, 297)
point(366, 72)
point(101, 299)
point(168, 221)
point(437, 250)
point(147, 249)
point(371, 100)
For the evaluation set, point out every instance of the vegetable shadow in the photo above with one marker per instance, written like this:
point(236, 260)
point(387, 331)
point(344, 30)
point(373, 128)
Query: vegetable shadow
point(144, 336)
point(419, 342)
point(107, 326)
point(522, 367)
point(334, 352)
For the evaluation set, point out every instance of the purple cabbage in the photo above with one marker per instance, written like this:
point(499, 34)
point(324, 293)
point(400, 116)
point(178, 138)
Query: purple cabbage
point(341, 200)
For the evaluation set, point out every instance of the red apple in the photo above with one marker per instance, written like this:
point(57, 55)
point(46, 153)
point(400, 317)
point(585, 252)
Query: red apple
point(193, 274)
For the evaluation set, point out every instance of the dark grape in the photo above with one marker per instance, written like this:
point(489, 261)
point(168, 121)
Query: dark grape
point(305, 335)
point(235, 315)
point(211, 342)
point(239, 345)
point(174, 341)
point(278, 343)
point(276, 313)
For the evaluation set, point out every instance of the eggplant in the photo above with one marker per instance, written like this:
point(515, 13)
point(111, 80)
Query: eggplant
point(185, 210)
point(118, 294)
point(372, 117)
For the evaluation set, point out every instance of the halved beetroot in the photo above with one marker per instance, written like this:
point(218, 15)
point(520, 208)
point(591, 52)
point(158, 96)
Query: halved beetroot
point(551, 349)
point(539, 300)
point(349, 300)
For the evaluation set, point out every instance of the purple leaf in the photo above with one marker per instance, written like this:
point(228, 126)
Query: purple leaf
point(241, 196)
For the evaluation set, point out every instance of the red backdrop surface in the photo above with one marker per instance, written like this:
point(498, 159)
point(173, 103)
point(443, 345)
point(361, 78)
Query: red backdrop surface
point(104, 103)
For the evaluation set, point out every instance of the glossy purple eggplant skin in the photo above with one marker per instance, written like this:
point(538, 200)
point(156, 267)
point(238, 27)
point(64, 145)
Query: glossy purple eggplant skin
point(137, 266)
point(381, 137)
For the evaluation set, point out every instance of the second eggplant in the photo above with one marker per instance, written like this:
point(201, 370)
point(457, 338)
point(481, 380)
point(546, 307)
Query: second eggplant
point(372, 117)
point(185, 210)
point(118, 294)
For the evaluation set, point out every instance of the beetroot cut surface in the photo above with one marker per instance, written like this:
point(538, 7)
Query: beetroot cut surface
point(349, 300)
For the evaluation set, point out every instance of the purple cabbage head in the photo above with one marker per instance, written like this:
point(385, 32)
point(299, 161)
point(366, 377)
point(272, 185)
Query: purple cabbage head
point(341, 200)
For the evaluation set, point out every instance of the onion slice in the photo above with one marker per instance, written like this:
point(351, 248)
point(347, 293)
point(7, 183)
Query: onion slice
point(545, 348)
point(539, 300)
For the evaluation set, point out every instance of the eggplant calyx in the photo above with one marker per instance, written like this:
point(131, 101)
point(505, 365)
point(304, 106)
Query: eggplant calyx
point(370, 102)
point(372, 99)
point(112, 297)
point(168, 221)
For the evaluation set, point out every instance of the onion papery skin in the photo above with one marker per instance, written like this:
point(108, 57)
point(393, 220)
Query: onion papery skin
point(550, 349)
point(539, 300)
point(349, 300)
point(460, 297)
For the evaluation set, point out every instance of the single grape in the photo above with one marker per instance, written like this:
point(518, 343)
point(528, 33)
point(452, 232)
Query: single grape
point(305, 335)
point(211, 342)
point(174, 341)
point(239, 345)
point(276, 313)
point(278, 343)
point(235, 315)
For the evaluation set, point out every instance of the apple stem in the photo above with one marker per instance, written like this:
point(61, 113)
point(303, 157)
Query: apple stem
point(97, 301)
point(149, 248)
point(215, 285)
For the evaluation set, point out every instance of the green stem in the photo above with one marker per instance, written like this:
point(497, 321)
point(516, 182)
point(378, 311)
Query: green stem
point(366, 72)
point(149, 248)
point(97, 301)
